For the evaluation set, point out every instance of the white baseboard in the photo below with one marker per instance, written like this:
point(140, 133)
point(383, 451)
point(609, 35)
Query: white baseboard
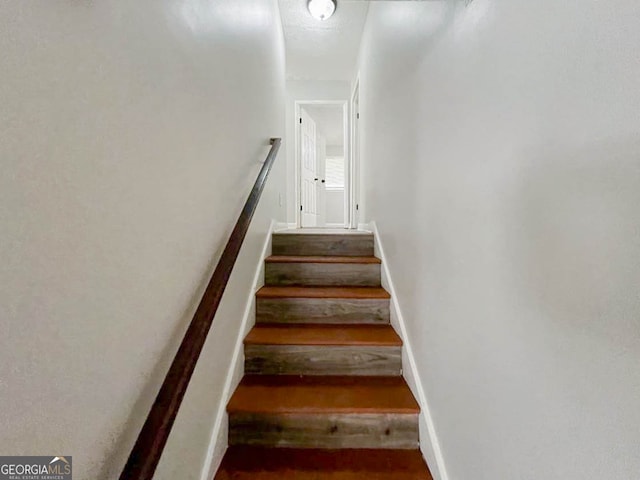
point(365, 226)
point(284, 226)
point(334, 225)
point(429, 444)
point(218, 443)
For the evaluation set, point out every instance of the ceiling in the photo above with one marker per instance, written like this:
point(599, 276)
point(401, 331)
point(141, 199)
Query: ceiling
point(328, 120)
point(322, 50)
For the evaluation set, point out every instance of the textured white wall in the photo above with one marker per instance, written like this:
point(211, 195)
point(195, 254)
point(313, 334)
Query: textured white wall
point(501, 150)
point(130, 134)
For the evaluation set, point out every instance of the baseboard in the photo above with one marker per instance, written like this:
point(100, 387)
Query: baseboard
point(365, 226)
point(218, 443)
point(429, 444)
point(334, 225)
point(284, 226)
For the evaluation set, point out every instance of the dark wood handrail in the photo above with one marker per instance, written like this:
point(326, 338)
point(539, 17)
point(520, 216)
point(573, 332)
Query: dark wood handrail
point(146, 452)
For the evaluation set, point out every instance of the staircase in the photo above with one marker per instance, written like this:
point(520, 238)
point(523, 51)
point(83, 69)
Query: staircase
point(323, 395)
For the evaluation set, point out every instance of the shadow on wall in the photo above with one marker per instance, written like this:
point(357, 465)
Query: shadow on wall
point(575, 238)
point(399, 46)
point(513, 239)
point(388, 104)
point(409, 28)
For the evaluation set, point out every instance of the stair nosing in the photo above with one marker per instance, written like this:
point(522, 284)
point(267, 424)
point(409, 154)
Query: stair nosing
point(396, 341)
point(376, 384)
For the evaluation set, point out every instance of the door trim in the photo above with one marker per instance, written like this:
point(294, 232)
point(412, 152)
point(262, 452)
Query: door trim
point(346, 125)
point(354, 204)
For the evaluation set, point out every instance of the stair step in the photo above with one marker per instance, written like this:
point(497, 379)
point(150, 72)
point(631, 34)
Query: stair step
point(322, 271)
point(323, 412)
point(359, 293)
point(357, 335)
point(350, 244)
point(251, 463)
point(321, 259)
point(292, 394)
point(323, 350)
point(355, 305)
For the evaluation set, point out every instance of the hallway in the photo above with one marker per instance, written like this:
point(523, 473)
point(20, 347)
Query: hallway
point(491, 148)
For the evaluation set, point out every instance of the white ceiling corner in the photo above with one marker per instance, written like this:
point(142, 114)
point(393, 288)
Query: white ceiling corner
point(325, 50)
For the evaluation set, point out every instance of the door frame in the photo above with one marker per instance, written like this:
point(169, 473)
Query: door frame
point(346, 126)
point(355, 131)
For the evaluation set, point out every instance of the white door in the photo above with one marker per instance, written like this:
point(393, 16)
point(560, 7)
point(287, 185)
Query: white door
point(309, 171)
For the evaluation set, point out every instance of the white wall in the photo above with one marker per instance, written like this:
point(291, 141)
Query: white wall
point(501, 152)
point(335, 206)
point(335, 198)
point(335, 150)
point(305, 90)
point(130, 134)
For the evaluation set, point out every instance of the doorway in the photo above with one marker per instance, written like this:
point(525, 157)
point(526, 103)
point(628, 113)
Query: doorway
point(322, 164)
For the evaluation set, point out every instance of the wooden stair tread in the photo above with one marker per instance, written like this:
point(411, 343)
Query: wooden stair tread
point(321, 259)
point(259, 463)
point(294, 394)
point(324, 292)
point(271, 334)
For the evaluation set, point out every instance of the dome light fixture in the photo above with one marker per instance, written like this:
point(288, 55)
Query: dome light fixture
point(321, 9)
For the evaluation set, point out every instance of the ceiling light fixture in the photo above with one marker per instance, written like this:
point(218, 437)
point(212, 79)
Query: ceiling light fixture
point(321, 9)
